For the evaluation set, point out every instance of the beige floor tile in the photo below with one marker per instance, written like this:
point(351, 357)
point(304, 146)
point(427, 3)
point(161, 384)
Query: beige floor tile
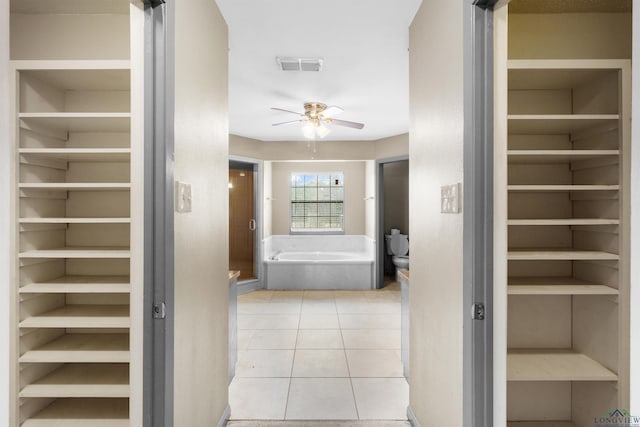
point(258, 398)
point(321, 399)
point(320, 363)
point(319, 295)
point(254, 296)
point(273, 339)
point(319, 321)
point(289, 307)
point(355, 307)
point(369, 321)
point(371, 338)
point(268, 321)
point(381, 398)
point(374, 363)
point(319, 339)
point(287, 296)
point(264, 363)
point(318, 307)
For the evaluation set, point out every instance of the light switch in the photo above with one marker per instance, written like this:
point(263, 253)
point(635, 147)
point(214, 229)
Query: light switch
point(450, 198)
point(183, 197)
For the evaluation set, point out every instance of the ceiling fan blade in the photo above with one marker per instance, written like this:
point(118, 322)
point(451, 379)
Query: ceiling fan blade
point(287, 111)
point(287, 123)
point(331, 111)
point(346, 123)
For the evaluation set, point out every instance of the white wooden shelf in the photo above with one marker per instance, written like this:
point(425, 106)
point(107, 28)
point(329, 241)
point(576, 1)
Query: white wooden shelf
point(80, 75)
point(556, 286)
point(81, 316)
point(559, 254)
point(564, 221)
point(75, 186)
point(557, 156)
point(540, 424)
point(79, 252)
point(80, 284)
point(554, 365)
point(45, 220)
point(76, 122)
point(82, 380)
point(554, 188)
point(80, 154)
point(81, 348)
point(82, 412)
point(552, 124)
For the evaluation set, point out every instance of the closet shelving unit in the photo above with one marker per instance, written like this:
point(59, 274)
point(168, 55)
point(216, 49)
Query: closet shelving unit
point(568, 134)
point(73, 199)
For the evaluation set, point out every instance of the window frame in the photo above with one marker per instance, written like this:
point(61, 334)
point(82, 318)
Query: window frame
point(317, 231)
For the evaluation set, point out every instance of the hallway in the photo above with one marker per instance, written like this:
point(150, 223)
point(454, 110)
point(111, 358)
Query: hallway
point(319, 355)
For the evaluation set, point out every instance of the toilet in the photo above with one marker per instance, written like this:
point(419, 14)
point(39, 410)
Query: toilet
point(398, 248)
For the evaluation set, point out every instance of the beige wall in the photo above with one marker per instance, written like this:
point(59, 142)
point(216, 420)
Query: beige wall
point(396, 196)
point(354, 189)
point(394, 146)
point(201, 236)
point(320, 150)
point(436, 152)
point(370, 205)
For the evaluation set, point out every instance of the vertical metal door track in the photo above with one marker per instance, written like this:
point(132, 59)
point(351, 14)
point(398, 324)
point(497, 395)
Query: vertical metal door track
point(158, 207)
point(478, 213)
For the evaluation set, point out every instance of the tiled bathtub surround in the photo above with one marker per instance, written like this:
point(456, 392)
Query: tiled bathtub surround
point(319, 262)
point(319, 355)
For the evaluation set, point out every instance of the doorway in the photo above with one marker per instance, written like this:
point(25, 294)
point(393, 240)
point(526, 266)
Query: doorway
point(392, 177)
point(244, 247)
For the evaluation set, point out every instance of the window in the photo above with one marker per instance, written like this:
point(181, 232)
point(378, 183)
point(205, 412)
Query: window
point(317, 203)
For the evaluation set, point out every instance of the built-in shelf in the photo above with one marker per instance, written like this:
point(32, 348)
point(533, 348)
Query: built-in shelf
point(559, 254)
point(554, 365)
point(47, 220)
point(81, 316)
point(545, 74)
point(551, 124)
point(81, 348)
point(75, 122)
point(540, 424)
point(78, 252)
point(557, 156)
point(75, 186)
point(554, 188)
point(556, 286)
point(564, 221)
point(82, 75)
point(80, 284)
point(82, 380)
point(80, 154)
point(82, 412)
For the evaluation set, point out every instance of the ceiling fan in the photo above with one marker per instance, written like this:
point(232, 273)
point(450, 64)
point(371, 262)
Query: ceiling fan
point(315, 118)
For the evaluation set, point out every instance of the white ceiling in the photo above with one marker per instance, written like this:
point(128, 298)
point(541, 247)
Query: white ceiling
point(364, 45)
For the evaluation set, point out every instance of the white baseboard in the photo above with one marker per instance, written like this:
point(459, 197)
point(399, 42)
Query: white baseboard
point(412, 417)
point(225, 417)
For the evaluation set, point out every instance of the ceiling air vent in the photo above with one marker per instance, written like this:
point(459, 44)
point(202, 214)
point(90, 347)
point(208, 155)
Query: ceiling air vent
point(299, 64)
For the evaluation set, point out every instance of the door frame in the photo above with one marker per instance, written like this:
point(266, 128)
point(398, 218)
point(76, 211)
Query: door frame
point(158, 345)
point(478, 214)
point(250, 285)
point(380, 253)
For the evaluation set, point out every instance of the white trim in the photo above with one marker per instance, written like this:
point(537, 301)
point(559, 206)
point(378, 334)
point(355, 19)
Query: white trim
point(634, 254)
point(225, 417)
point(413, 420)
point(5, 179)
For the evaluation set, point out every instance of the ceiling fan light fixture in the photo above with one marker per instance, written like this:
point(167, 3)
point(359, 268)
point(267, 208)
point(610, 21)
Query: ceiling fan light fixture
point(322, 130)
point(309, 130)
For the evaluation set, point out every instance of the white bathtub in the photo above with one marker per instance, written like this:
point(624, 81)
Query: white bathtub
point(319, 262)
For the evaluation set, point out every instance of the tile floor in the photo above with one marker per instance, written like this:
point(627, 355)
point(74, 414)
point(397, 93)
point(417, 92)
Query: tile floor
point(319, 355)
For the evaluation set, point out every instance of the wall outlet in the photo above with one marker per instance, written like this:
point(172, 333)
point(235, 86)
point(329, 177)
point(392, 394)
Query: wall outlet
point(450, 198)
point(183, 197)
